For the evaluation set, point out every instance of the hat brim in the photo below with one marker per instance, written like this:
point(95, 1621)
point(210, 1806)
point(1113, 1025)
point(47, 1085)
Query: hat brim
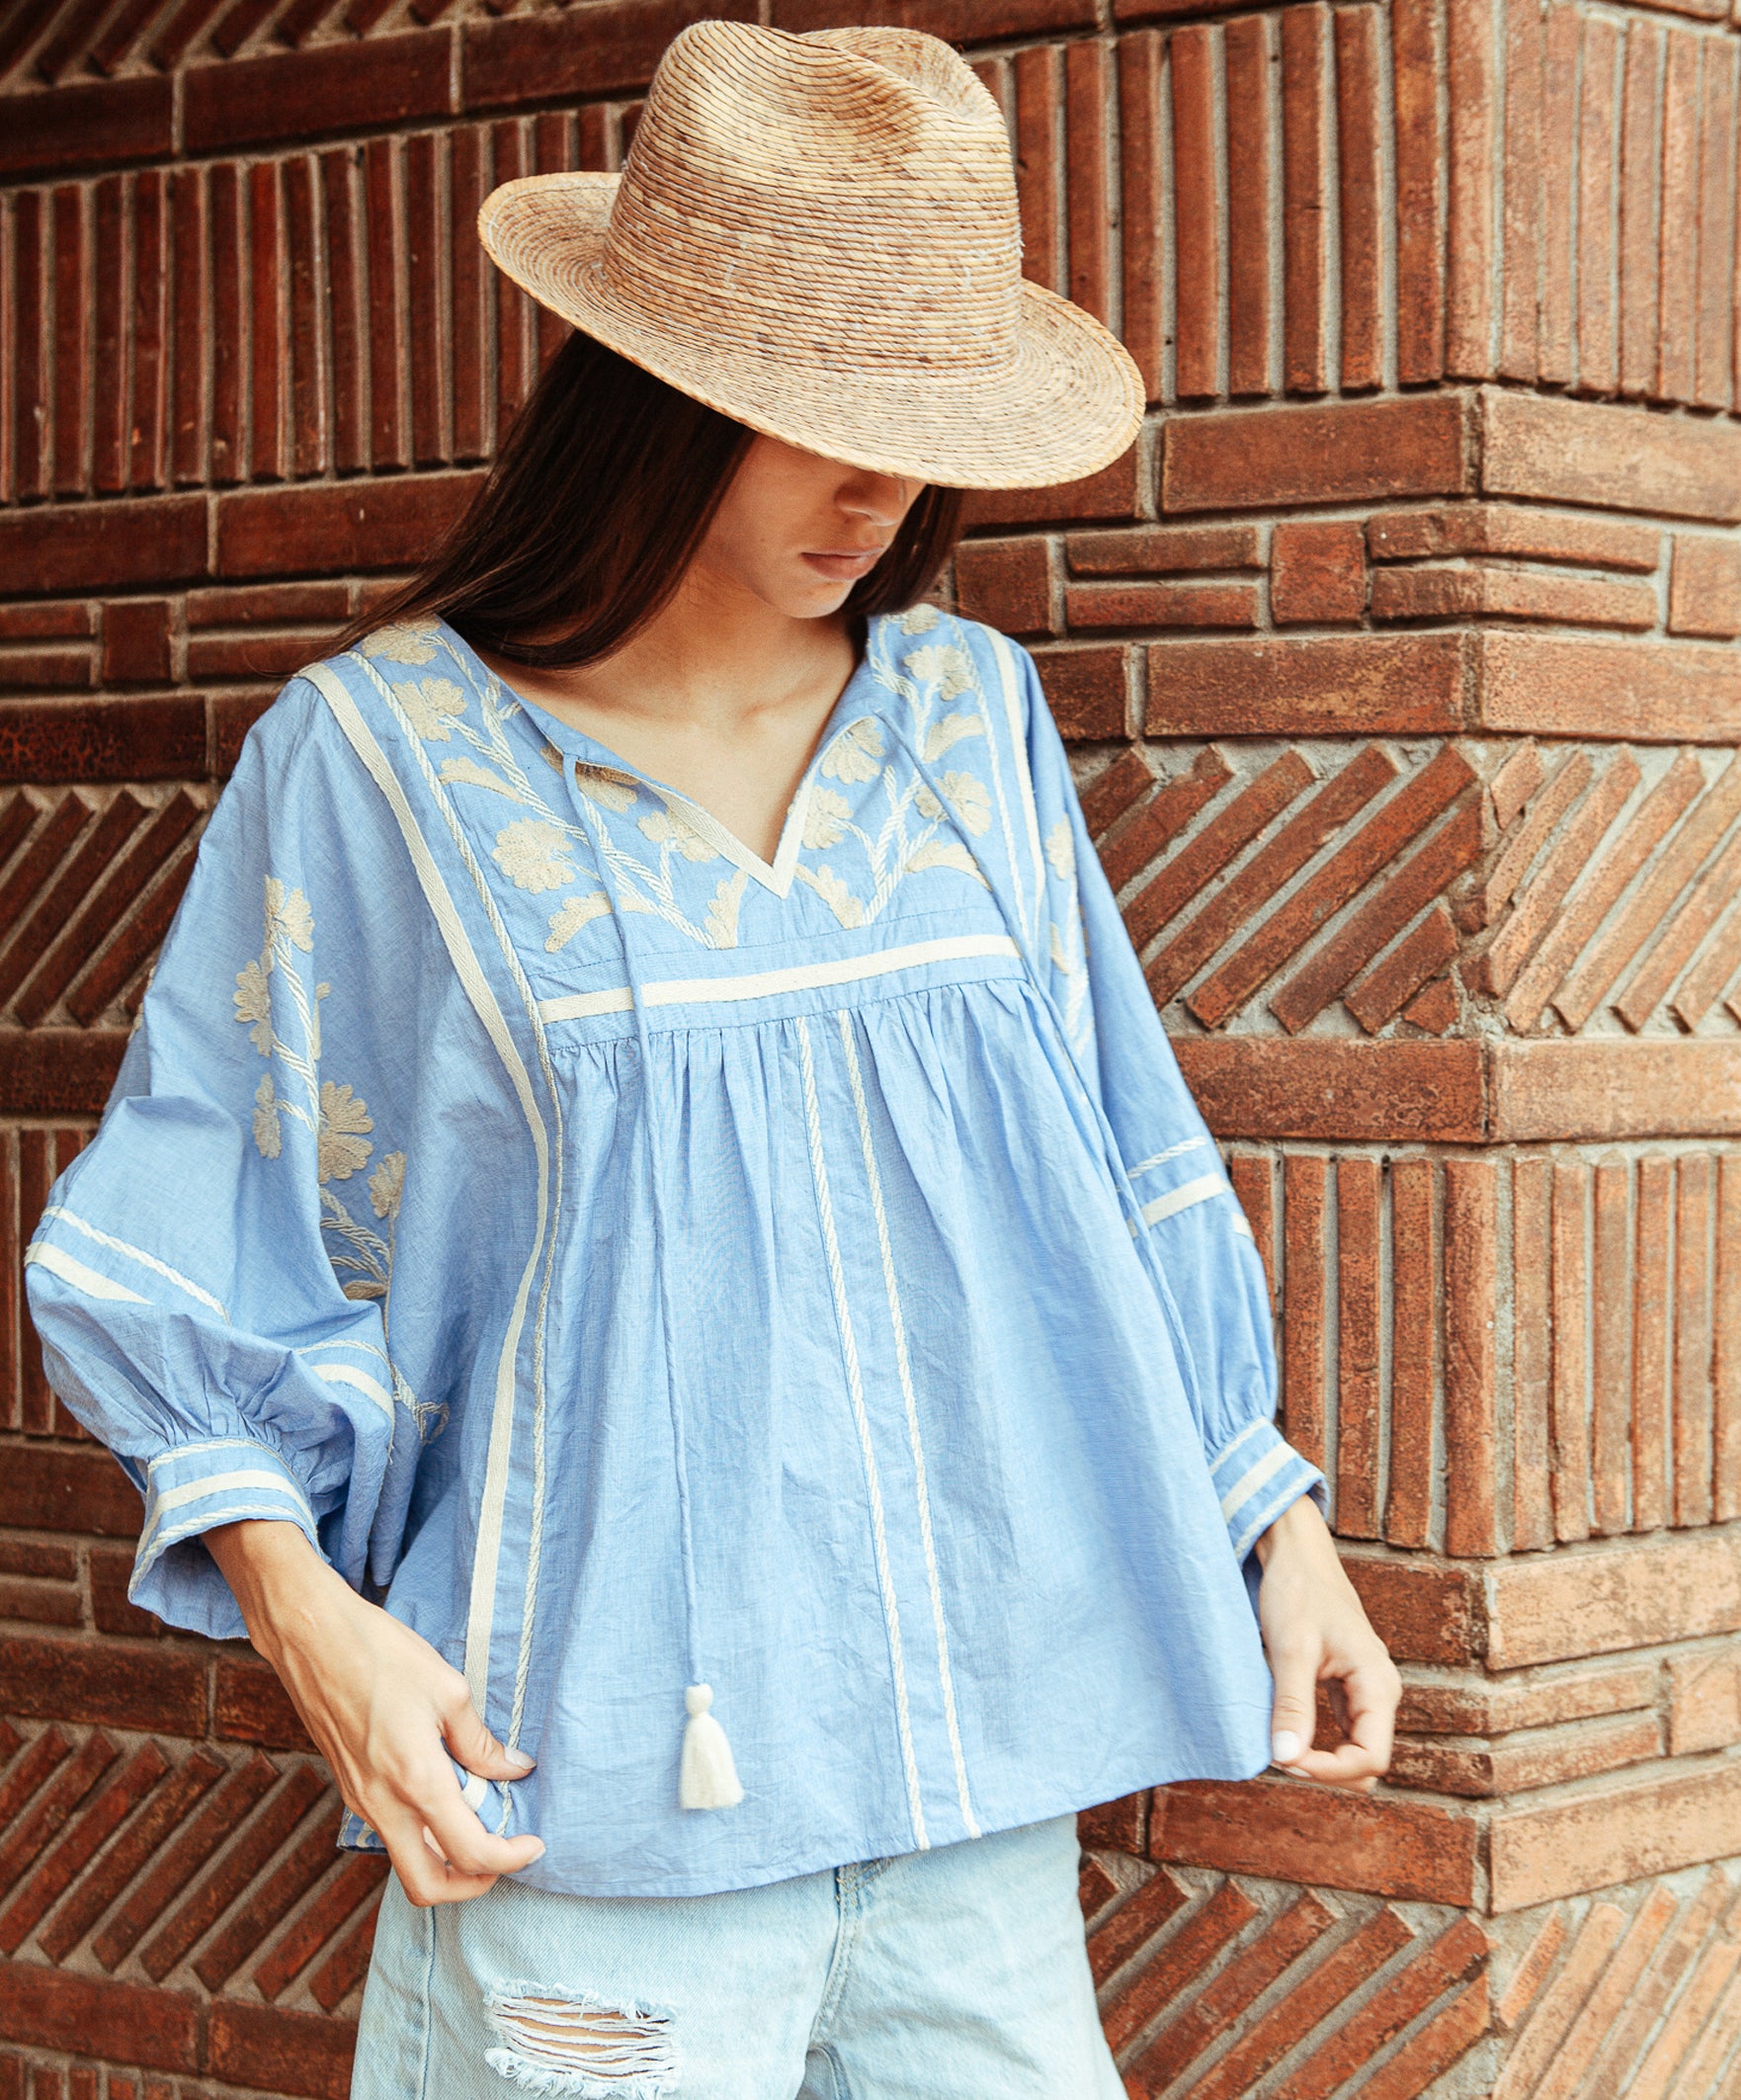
point(1066, 404)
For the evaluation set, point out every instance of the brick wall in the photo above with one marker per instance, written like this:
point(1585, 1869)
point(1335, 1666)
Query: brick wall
point(1400, 661)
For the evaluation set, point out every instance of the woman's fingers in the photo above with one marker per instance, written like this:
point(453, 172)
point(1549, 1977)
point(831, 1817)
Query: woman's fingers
point(1368, 1699)
point(424, 1875)
point(1295, 1710)
point(475, 1747)
point(468, 1846)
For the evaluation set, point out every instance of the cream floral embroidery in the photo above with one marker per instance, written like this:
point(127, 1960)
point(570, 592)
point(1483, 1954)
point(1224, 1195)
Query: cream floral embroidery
point(571, 915)
point(946, 853)
point(253, 1004)
point(856, 753)
point(341, 1146)
point(529, 853)
point(722, 911)
point(826, 819)
point(847, 908)
point(919, 619)
point(387, 1187)
point(1060, 850)
point(288, 916)
point(431, 706)
point(609, 790)
point(268, 1133)
point(669, 828)
point(966, 796)
point(403, 641)
point(473, 775)
point(950, 730)
point(927, 805)
point(943, 663)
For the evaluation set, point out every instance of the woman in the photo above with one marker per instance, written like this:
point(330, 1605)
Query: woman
point(650, 1221)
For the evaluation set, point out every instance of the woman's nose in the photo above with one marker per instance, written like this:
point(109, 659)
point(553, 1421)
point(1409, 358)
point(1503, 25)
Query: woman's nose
point(881, 498)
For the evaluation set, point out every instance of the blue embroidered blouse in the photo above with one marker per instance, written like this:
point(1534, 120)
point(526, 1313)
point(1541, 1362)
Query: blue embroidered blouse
point(651, 1265)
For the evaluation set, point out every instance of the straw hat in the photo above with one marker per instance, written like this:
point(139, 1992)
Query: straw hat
point(818, 235)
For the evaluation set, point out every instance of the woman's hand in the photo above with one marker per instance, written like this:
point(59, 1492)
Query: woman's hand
point(1316, 1632)
point(380, 1703)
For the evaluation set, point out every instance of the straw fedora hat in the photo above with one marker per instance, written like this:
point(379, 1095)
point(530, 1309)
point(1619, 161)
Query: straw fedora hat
point(818, 236)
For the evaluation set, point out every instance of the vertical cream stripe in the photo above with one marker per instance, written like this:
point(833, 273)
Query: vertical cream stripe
point(487, 1558)
point(1006, 663)
point(898, 1323)
point(850, 1350)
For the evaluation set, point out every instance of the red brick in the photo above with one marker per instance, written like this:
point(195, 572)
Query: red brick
point(1162, 551)
point(97, 546)
point(1414, 1269)
point(1142, 190)
point(1221, 840)
point(28, 421)
point(1358, 1315)
point(1229, 1996)
point(1259, 457)
point(1610, 1380)
point(250, 1704)
point(80, 1844)
point(1639, 169)
point(1417, 59)
point(1360, 180)
point(129, 948)
point(1559, 106)
point(45, 1755)
point(333, 87)
point(109, 380)
point(1136, 1920)
point(1314, 1834)
point(68, 435)
point(110, 1570)
point(1181, 1960)
point(1483, 1707)
point(1340, 799)
point(36, 1556)
point(195, 1840)
point(39, 1603)
point(1126, 851)
point(270, 605)
point(1391, 981)
point(1691, 921)
point(1340, 685)
point(1569, 857)
point(1120, 788)
point(46, 1488)
point(1304, 1333)
point(35, 669)
point(1479, 589)
point(40, 2009)
point(135, 642)
point(1086, 689)
point(231, 656)
point(1248, 58)
point(1566, 685)
point(1607, 1089)
point(344, 1969)
point(1693, 1340)
point(1305, 195)
point(1597, 136)
point(1424, 1612)
point(1322, 1090)
point(79, 1681)
point(1608, 1834)
point(355, 1882)
point(337, 527)
point(162, 1812)
point(268, 1901)
point(85, 127)
point(1677, 348)
point(1716, 238)
point(1457, 1955)
point(99, 842)
point(1726, 1352)
point(1512, 529)
point(1088, 173)
point(1347, 870)
point(609, 48)
point(1521, 189)
point(1705, 591)
point(1704, 1701)
point(1007, 583)
point(44, 621)
point(1447, 2036)
point(290, 2053)
point(1110, 493)
point(1161, 605)
point(190, 264)
point(1624, 459)
point(1197, 234)
point(1650, 1360)
point(1317, 573)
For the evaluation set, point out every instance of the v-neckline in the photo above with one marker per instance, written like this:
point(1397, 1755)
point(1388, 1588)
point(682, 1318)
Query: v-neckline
point(776, 875)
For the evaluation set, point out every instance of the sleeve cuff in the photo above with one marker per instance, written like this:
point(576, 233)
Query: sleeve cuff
point(194, 1487)
point(1258, 1474)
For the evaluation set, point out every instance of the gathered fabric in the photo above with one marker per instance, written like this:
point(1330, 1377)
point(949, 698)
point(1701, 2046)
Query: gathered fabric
point(795, 1300)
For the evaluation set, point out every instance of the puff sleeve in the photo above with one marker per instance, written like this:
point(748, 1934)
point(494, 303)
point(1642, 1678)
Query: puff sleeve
point(207, 1289)
point(1201, 1250)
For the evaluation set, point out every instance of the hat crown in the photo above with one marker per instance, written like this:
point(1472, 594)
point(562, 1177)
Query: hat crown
point(796, 194)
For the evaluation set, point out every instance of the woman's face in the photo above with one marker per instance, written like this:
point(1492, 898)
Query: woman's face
point(797, 531)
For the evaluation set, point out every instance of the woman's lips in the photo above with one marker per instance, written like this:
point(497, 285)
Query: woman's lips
point(845, 568)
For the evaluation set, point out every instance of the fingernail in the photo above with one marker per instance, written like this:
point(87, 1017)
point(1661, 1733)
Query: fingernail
point(1285, 1746)
point(1298, 1771)
point(538, 1854)
point(519, 1760)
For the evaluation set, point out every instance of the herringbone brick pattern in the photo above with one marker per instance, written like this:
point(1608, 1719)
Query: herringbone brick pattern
point(1591, 891)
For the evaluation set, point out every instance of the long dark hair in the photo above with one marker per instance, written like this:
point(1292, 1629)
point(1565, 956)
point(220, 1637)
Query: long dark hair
point(598, 499)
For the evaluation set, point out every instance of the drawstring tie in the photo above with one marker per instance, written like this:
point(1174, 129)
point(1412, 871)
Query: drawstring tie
point(706, 1775)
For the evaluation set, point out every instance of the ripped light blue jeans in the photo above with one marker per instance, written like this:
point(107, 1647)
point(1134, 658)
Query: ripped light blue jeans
point(957, 1973)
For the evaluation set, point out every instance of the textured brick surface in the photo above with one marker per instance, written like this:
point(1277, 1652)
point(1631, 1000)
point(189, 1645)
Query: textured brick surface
point(1398, 657)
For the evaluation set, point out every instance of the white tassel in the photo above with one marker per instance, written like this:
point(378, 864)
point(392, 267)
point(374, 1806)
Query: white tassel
point(709, 1778)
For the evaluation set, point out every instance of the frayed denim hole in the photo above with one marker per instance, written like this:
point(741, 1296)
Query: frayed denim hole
point(579, 2045)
